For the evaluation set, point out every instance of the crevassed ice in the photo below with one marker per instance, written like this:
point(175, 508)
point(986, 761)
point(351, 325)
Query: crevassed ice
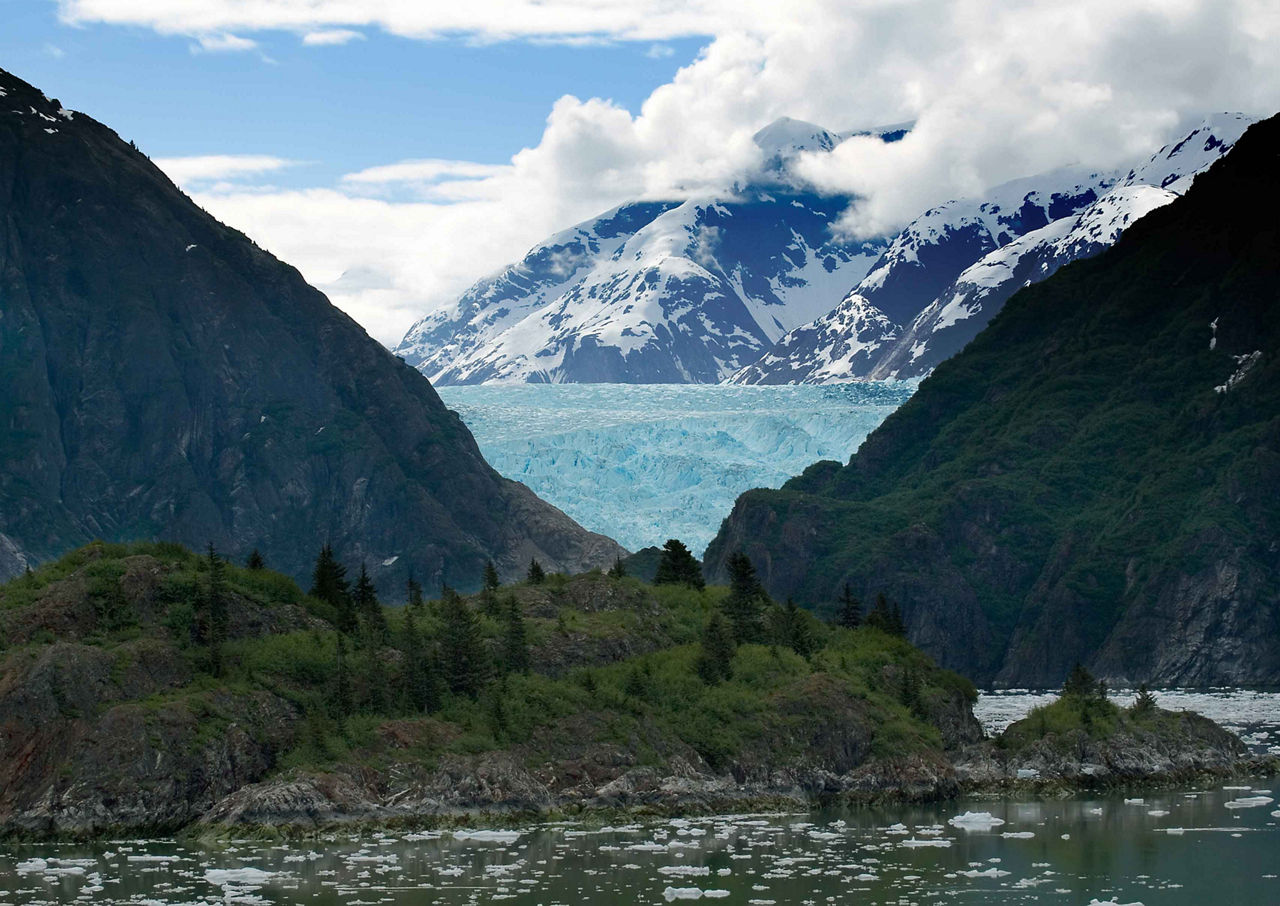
point(642, 463)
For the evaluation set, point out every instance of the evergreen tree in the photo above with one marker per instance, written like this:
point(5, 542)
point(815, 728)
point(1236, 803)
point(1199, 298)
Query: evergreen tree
point(365, 599)
point(715, 658)
point(462, 654)
point(913, 691)
point(515, 639)
point(850, 616)
point(536, 573)
point(886, 618)
point(1081, 684)
point(255, 560)
point(793, 630)
point(496, 706)
point(745, 603)
point(343, 699)
point(636, 684)
point(677, 566)
point(420, 684)
point(490, 576)
point(329, 584)
point(216, 610)
point(618, 570)
point(1145, 703)
point(412, 592)
point(489, 604)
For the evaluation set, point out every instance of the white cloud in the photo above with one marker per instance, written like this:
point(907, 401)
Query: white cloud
point(54, 51)
point(660, 51)
point(186, 171)
point(997, 90)
point(222, 42)
point(331, 37)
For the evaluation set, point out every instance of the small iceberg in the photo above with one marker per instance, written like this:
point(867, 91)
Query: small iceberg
point(976, 821)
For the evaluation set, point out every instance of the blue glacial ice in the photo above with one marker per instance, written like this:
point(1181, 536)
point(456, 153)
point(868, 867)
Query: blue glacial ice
point(643, 463)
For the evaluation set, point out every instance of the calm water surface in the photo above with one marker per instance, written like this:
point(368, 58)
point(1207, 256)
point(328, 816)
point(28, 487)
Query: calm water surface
point(1209, 845)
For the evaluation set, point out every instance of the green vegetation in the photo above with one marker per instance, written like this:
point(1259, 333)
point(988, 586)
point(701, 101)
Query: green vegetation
point(589, 660)
point(1078, 460)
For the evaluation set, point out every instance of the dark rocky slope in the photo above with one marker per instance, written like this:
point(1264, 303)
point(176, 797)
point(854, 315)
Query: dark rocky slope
point(1095, 478)
point(164, 377)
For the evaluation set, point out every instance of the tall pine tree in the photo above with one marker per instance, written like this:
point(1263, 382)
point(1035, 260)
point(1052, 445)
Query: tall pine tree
point(715, 656)
point(421, 686)
point(463, 659)
point(412, 592)
point(343, 700)
point(215, 611)
point(515, 639)
point(489, 590)
point(536, 573)
point(850, 615)
point(365, 598)
point(792, 628)
point(677, 566)
point(745, 603)
point(329, 584)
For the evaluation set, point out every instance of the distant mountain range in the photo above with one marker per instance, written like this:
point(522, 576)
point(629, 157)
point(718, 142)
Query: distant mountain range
point(657, 292)
point(945, 276)
point(747, 287)
point(163, 377)
point(1095, 478)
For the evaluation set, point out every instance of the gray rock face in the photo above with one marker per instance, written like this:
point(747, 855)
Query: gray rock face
point(165, 377)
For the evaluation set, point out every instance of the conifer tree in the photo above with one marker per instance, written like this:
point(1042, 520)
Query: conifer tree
point(329, 584)
point(536, 573)
point(886, 618)
point(745, 603)
point(618, 570)
point(420, 684)
point(463, 659)
point(343, 699)
point(677, 566)
point(412, 592)
point(850, 616)
point(896, 625)
point(515, 639)
point(255, 560)
point(715, 658)
point(793, 630)
point(1145, 703)
point(216, 610)
point(365, 599)
point(636, 684)
point(489, 591)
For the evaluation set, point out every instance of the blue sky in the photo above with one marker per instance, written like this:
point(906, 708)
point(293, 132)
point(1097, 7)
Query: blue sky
point(337, 109)
point(397, 150)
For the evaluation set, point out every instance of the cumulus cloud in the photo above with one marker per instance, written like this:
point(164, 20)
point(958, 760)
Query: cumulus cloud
point(997, 91)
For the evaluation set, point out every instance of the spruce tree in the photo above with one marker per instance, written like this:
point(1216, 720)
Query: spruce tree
point(421, 687)
point(677, 566)
point(515, 639)
point(536, 573)
point(489, 591)
point(715, 658)
point(412, 592)
point(255, 560)
point(365, 599)
point(850, 616)
point(329, 584)
point(794, 631)
point(745, 603)
point(463, 659)
point(885, 618)
point(1145, 703)
point(377, 684)
point(216, 610)
point(618, 570)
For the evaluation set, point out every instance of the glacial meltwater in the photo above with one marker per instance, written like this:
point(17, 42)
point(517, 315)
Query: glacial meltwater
point(644, 463)
point(1199, 846)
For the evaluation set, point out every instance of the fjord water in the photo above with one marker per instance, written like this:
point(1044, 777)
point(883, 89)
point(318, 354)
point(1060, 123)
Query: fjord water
point(644, 463)
point(1211, 844)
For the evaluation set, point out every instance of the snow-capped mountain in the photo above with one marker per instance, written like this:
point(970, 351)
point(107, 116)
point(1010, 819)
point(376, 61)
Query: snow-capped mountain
point(948, 273)
point(656, 292)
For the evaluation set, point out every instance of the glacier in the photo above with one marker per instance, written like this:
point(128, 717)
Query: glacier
point(642, 463)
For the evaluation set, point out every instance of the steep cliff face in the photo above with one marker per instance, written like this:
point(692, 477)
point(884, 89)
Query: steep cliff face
point(165, 377)
point(1096, 477)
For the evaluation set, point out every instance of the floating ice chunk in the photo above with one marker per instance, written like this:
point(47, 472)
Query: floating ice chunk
point(488, 836)
point(1158, 812)
point(1250, 802)
point(1135, 802)
point(916, 843)
point(685, 871)
point(992, 872)
point(1018, 835)
point(692, 893)
point(976, 821)
point(1096, 902)
point(896, 829)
